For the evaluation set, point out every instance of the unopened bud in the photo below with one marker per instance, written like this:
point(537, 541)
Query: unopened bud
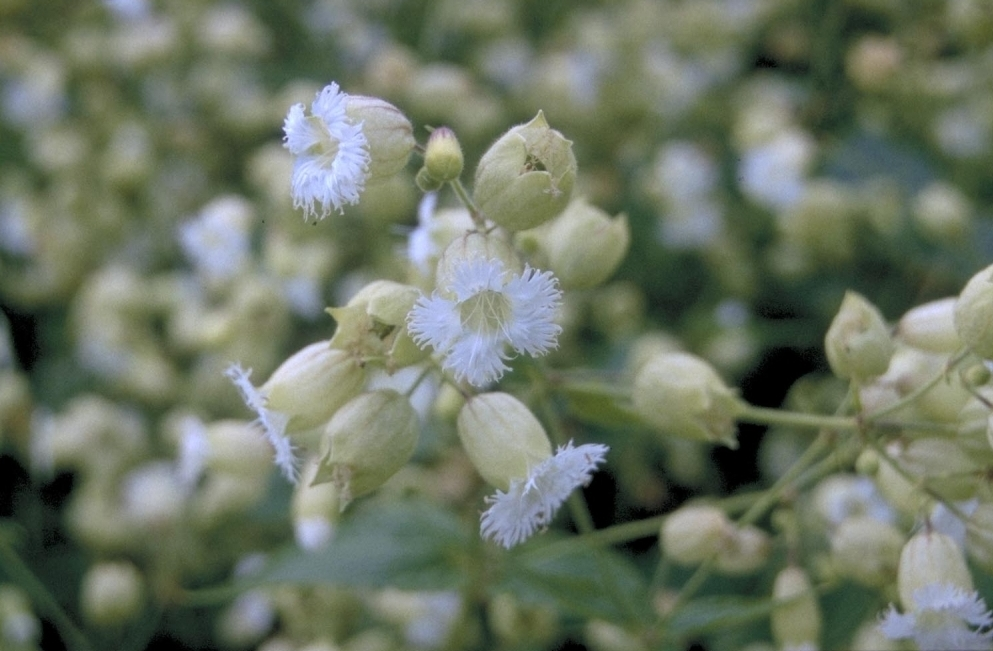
point(745, 551)
point(683, 395)
point(858, 342)
point(694, 534)
point(312, 384)
point(525, 178)
point(112, 593)
point(443, 158)
point(931, 327)
point(974, 313)
point(796, 618)
point(502, 438)
point(866, 550)
point(930, 558)
point(584, 245)
point(945, 467)
point(366, 442)
point(316, 510)
point(388, 131)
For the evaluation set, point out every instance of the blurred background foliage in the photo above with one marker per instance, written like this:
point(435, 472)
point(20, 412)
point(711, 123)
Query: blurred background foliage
point(769, 154)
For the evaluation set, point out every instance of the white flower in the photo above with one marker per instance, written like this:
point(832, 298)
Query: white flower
point(491, 309)
point(531, 502)
point(218, 240)
point(332, 154)
point(945, 617)
point(273, 422)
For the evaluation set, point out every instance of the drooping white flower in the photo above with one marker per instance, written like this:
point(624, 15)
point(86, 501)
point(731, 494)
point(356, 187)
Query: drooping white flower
point(273, 422)
point(531, 502)
point(332, 154)
point(491, 310)
point(945, 617)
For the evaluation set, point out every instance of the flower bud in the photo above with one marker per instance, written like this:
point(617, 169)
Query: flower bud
point(312, 384)
point(502, 438)
point(316, 510)
point(584, 245)
point(944, 466)
point(974, 313)
point(443, 158)
point(930, 558)
point(367, 441)
point(525, 178)
point(866, 550)
point(19, 626)
point(388, 131)
point(235, 447)
point(905, 496)
point(693, 534)
point(425, 182)
point(931, 327)
point(796, 618)
point(373, 323)
point(858, 342)
point(682, 395)
point(112, 593)
point(745, 551)
point(942, 213)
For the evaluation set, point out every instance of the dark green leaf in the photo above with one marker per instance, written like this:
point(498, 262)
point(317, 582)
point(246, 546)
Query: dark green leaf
point(409, 544)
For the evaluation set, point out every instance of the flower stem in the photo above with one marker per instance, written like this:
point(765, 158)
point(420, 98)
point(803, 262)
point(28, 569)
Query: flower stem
point(460, 191)
point(766, 416)
point(18, 570)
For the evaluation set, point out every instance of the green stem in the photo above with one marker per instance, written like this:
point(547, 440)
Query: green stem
point(767, 416)
point(460, 192)
point(20, 573)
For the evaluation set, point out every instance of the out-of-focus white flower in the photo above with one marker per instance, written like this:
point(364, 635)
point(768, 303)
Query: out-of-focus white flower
point(332, 154)
point(531, 502)
point(491, 309)
point(774, 174)
point(194, 450)
point(421, 247)
point(218, 240)
point(944, 618)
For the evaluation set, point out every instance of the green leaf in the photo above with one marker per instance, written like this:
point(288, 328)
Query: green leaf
point(594, 407)
point(576, 579)
point(409, 544)
point(716, 613)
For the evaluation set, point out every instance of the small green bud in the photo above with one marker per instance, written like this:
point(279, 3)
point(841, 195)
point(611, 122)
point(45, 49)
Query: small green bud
point(682, 395)
point(693, 534)
point(745, 551)
point(905, 496)
point(502, 438)
point(312, 384)
point(867, 462)
point(388, 131)
point(974, 313)
point(931, 327)
point(866, 550)
point(19, 626)
point(112, 593)
point(796, 618)
point(930, 558)
point(316, 510)
point(858, 342)
point(944, 466)
point(374, 323)
point(525, 178)
point(584, 245)
point(366, 442)
point(443, 158)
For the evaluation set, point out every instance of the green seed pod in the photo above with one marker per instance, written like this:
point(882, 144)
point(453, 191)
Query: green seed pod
point(858, 342)
point(525, 178)
point(584, 245)
point(388, 131)
point(974, 313)
point(366, 442)
point(502, 438)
